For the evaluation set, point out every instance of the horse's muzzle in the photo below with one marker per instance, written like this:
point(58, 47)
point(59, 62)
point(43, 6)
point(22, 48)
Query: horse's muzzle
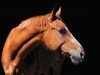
point(77, 57)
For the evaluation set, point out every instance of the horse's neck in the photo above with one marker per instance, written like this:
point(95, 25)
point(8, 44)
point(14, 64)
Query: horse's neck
point(38, 22)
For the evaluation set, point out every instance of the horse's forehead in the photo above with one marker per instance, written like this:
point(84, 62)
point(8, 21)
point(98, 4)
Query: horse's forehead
point(58, 24)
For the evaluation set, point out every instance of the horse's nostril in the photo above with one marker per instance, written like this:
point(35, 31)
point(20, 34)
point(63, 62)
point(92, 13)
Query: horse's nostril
point(82, 58)
point(82, 54)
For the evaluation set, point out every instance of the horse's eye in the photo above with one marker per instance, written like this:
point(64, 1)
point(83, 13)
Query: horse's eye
point(62, 31)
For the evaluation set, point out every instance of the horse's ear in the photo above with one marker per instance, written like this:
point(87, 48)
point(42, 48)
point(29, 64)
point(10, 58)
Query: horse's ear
point(58, 13)
point(55, 12)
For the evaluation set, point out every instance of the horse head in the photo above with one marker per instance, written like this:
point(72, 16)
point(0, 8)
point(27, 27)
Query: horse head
point(57, 36)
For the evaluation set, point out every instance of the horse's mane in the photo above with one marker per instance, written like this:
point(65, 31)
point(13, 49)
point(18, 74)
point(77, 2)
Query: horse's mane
point(37, 21)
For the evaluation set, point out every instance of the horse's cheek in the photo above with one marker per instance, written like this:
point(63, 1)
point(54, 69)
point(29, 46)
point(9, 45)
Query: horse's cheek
point(52, 40)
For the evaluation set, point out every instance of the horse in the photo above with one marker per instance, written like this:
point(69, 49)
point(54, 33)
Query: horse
point(39, 43)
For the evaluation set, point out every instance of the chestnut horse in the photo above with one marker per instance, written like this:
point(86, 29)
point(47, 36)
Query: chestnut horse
point(38, 44)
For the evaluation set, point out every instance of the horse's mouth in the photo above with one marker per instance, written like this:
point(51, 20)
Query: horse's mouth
point(76, 60)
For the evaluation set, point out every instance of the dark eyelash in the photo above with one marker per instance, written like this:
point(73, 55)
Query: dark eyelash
point(62, 31)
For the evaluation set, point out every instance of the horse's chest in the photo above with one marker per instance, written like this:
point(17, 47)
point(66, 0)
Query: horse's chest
point(41, 60)
point(47, 59)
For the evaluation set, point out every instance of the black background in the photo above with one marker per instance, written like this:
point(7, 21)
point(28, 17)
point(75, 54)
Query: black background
point(82, 17)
